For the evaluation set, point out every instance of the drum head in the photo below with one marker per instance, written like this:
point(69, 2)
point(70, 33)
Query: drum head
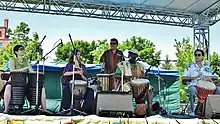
point(80, 82)
point(103, 75)
point(140, 81)
point(206, 85)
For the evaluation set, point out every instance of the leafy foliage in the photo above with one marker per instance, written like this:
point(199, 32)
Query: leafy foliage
point(86, 48)
point(19, 36)
point(215, 62)
point(184, 54)
point(167, 65)
point(92, 51)
point(146, 48)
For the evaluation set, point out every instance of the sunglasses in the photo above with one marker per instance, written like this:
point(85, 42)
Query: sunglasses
point(197, 54)
point(112, 43)
point(21, 49)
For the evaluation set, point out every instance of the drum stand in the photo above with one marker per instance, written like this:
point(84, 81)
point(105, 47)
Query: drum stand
point(72, 109)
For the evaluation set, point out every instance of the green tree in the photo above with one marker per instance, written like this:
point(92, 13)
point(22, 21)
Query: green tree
point(86, 49)
point(97, 53)
point(184, 54)
point(215, 62)
point(19, 36)
point(146, 48)
point(167, 65)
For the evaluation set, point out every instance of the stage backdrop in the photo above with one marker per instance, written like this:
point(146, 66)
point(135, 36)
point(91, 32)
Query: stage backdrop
point(168, 80)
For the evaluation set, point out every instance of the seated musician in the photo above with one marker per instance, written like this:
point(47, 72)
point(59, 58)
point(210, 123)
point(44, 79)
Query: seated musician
point(20, 63)
point(80, 74)
point(138, 72)
point(193, 73)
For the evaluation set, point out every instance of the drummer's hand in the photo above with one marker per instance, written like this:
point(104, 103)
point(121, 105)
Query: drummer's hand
point(24, 69)
point(102, 65)
point(207, 78)
point(81, 72)
point(199, 75)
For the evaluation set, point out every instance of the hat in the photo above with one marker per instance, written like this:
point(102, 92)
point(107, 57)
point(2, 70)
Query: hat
point(133, 51)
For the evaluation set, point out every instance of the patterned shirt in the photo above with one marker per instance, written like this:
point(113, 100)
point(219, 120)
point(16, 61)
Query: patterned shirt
point(193, 70)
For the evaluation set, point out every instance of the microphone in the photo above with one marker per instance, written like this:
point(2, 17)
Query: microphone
point(71, 41)
point(139, 59)
point(43, 39)
point(148, 70)
point(61, 42)
point(214, 71)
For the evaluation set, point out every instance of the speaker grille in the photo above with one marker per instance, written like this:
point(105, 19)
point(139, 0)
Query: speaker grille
point(120, 102)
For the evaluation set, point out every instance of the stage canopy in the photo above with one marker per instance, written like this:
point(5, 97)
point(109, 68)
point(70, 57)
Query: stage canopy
point(196, 14)
point(186, 13)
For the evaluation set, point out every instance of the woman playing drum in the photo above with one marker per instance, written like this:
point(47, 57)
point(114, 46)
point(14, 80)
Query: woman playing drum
point(80, 74)
point(20, 63)
point(196, 72)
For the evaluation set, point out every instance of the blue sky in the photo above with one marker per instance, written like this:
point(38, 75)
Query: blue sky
point(56, 27)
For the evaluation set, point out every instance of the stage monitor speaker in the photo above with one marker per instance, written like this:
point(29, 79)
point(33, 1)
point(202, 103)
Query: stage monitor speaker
point(211, 107)
point(115, 104)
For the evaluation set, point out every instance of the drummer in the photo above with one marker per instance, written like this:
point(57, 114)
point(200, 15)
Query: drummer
point(110, 58)
point(194, 72)
point(138, 72)
point(80, 74)
point(19, 63)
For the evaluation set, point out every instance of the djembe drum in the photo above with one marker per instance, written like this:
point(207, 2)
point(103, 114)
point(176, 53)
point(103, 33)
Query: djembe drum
point(140, 91)
point(104, 80)
point(79, 90)
point(18, 82)
point(32, 87)
point(204, 88)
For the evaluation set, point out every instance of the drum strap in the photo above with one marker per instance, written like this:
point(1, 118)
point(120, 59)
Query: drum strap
point(141, 95)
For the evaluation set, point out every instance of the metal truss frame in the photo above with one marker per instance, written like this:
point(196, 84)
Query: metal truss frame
point(201, 40)
point(211, 15)
point(200, 22)
point(102, 11)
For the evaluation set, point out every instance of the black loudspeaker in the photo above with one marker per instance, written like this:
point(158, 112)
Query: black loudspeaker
point(211, 107)
point(114, 104)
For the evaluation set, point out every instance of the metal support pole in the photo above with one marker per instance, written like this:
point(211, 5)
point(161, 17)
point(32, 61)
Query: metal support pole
point(201, 40)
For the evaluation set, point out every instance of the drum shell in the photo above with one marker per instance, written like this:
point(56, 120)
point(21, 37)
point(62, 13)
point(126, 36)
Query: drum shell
point(32, 96)
point(140, 89)
point(19, 79)
point(104, 82)
point(203, 91)
point(137, 90)
point(17, 95)
point(32, 80)
point(18, 87)
point(80, 88)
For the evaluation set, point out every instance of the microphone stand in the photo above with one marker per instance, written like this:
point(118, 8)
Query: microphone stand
point(72, 109)
point(37, 110)
point(159, 79)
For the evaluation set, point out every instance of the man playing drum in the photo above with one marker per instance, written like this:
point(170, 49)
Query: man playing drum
point(110, 59)
point(137, 72)
point(20, 63)
point(195, 72)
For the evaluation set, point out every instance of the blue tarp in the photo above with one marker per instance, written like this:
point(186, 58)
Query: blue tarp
point(58, 66)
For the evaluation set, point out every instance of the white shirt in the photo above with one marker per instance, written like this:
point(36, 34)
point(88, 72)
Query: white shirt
point(193, 70)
